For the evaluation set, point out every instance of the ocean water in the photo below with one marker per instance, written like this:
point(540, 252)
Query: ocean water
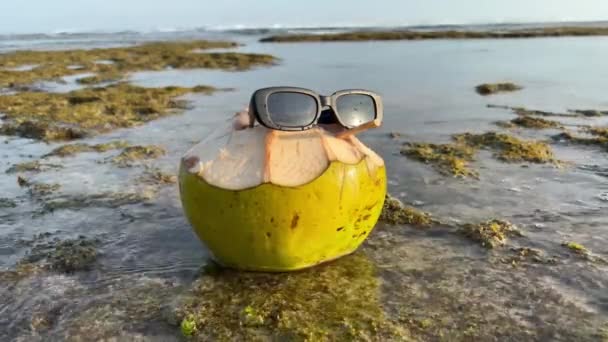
point(428, 92)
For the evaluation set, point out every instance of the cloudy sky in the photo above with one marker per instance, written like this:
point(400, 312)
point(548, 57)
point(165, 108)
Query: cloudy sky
point(29, 16)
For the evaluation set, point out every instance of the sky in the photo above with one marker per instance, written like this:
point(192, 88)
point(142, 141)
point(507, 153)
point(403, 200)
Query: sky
point(38, 16)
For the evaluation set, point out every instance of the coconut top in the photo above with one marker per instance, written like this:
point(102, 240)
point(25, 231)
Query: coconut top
point(237, 157)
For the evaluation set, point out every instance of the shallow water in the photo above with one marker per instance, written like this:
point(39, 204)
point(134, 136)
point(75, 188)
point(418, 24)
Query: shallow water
point(435, 273)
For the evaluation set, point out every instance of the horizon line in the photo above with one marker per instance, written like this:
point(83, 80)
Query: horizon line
point(243, 27)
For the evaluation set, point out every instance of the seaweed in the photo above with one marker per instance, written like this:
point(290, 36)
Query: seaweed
point(601, 132)
point(188, 326)
point(454, 158)
point(31, 113)
point(7, 203)
point(576, 248)
point(509, 148)
point(73, 149)
point(107, 77)
point(100, 200)
point(22, 181)
point(41, 130)
point(598, 138)
point(19, 272)
point(36, 189)
point(83, 112)
point(583, 252)
point(448, 159)
point(534, 112)
point(39, 190)
point(154, 176)
point(43, 319)
point(129, 307)
point(495, 88)
point(527, 121)
point(490, 234)
point(130, 155)
point(589, 112)
point(231, 305)
point(65, 256)
point(53, 65)
point(444, 302)
point(394, 213)
point(565, 31)
point(32, 166)
point(525, 255)
point(62, 256)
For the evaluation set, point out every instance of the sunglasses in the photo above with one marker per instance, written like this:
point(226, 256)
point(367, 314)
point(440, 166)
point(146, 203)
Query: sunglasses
point(298, 109)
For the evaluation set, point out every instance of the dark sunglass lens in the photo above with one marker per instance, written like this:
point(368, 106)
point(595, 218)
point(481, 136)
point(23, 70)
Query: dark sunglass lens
point(292, 109)
point(356, 109)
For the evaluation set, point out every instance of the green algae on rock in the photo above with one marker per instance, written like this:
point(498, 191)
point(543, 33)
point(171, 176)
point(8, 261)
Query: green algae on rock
point(154, 176)
point(576, 247)
point(22, 181)
point(495, 88)
point(597, 140)
point(188, 326)
point(509, 148)
point(589, 112)
point(39, 190)
point(448, 159)
point(73, 149)
point(7, 203)
point(32, 166)
point(526, 255)
point(444, 302)
point(527, 121)
point(53, 65)
point(583, 252)
point(572, 113)
point(454, 158)
point(490, 234)
point(529, 112)
point(130, 306)
point(564, 31)
point(603, 334)
point(394, 213)
point(232, 305)
point(601, 132)
point(45, 131)
point(65, 256)
point(20, 271)
point(133, 154)
point(108, 77)
point(43, 319)
point(64, 116)
point(98, 200)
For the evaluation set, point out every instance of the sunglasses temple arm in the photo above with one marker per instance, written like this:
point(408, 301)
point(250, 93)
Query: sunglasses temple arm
point(359, 129)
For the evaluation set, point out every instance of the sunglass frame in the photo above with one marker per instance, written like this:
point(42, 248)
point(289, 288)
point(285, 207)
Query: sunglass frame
point(258, 106)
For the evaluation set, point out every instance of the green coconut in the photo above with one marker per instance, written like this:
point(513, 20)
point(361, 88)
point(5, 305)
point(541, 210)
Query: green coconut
point(268, 200)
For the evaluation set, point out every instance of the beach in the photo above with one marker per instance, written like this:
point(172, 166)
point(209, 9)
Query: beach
point(458, 276)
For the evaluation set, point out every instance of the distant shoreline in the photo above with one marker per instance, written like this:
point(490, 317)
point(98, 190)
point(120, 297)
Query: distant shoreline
point(275, 30)
point(368, 35)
